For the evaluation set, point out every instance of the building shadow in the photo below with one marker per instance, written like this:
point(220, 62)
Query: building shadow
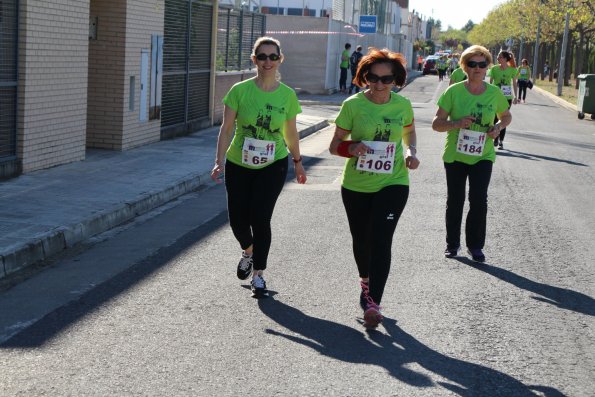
point(55, 322)
point(562, 298)
point(394, 351)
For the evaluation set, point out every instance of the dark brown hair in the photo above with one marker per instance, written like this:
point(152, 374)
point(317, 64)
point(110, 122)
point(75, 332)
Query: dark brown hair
point(375, 56)
point(509, 56)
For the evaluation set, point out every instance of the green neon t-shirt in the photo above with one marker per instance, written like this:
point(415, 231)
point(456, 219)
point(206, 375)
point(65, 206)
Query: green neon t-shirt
point(344, 59)
point(368, 121)
point(524, 73)
point(502, 77)
point(458, 102)
point(261, 115)
point(458, 75)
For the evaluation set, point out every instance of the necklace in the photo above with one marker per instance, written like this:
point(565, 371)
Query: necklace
point(378, 101)
point(265, 86)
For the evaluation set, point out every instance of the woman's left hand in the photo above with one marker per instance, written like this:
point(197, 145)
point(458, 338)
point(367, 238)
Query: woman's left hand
point(411, 162)
point(494, 131)
point(300, 173)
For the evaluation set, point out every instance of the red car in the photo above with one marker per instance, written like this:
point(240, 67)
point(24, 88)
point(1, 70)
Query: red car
point(429, 66)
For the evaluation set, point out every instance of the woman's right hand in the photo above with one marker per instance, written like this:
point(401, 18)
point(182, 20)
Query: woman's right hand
point(358, 149)
point(465, 122)
point(216, 172)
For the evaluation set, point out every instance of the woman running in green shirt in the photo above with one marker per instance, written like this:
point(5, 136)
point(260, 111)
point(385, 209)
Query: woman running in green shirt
point(523, 76)
point(262, 111)
point(503, 76)
point(379, 123)
point(466, 113)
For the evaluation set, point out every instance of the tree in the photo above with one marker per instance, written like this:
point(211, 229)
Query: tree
point(468, 26)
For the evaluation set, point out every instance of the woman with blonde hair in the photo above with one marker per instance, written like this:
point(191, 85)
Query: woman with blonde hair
point(466, 112)
point(262, 111)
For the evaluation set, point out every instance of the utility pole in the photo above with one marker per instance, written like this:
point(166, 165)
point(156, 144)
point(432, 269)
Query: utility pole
point(561, 70)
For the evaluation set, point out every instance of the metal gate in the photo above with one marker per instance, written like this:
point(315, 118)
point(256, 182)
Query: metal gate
point(186, 66)
point(8, 80)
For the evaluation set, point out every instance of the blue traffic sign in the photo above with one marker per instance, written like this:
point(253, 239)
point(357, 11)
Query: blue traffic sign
point(367, 24)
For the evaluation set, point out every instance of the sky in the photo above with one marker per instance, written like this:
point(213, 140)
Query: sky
point(455, 13)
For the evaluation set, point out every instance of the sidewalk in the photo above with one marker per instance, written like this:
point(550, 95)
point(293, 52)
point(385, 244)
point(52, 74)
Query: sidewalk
point(47, 211)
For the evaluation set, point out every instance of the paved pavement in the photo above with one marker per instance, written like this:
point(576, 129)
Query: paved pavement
point(44, 212)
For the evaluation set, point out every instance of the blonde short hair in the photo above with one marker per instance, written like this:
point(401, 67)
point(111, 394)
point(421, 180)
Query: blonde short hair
point(473, 51)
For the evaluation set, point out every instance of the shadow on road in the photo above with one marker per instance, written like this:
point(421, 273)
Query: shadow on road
point(536, 157)
point(64, 317)
point(561, 297)
point(394, 351)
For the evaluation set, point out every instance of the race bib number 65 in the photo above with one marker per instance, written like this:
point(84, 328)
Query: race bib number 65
point(379, 158)
point(471, 142)
point(257, 152)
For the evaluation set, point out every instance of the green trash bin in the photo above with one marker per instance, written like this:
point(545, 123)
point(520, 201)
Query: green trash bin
point(586, 95)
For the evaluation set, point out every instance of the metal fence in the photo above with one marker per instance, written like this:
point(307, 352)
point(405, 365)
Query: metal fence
point(8, 77)
point(237, 30)
point(186, 63)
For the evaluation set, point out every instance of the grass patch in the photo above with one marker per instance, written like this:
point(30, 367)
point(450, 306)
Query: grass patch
point(569, 94)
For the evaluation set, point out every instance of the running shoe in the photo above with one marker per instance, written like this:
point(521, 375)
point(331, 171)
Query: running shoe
point(372, 315)
point(477, 254)
point(500, 146)
point(364, 295)
point(451, 252)
point(245, 266)
point(259, 287)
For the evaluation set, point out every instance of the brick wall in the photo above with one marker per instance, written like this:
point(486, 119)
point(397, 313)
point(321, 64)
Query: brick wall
point(52, 111)
point(124, 28)
point(143, 18)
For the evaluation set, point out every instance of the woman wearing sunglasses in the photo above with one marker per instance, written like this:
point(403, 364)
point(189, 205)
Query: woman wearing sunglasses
point(262, 111)
point(466, 111)
point(372, 129)
point(503, 75)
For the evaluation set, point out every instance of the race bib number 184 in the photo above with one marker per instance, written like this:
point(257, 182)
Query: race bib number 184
point(471, 142)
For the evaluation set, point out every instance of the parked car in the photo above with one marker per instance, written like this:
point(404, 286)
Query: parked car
point(429, 66)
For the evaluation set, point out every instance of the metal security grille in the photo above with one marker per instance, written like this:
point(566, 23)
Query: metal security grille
point(186, 62)
point(237, 30)
point(8, 77)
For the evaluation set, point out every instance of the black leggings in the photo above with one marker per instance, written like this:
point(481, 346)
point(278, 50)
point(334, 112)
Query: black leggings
point(503, 130)
point(479, 176)
point(343, 79)
point(251, 198)
point(372, 220)
point(522, 89)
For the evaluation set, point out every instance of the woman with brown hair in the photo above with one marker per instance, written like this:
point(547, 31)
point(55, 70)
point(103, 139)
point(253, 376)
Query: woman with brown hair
point(375, 131)
point(503, 76)
point(258, 132)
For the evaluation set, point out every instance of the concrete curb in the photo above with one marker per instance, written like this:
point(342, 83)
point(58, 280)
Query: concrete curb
point(46, 245)
point(555, 98)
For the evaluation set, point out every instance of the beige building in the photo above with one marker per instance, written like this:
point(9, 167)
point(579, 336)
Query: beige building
point(107, 74)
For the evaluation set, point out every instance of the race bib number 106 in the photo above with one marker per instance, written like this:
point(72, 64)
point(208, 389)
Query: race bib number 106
point(379, 158)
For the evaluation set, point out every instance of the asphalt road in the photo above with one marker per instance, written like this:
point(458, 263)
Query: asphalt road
point(154, 307)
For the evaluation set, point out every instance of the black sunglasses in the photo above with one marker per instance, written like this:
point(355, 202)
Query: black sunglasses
point(474, 64)
point(263, 57)
point(374, 78)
